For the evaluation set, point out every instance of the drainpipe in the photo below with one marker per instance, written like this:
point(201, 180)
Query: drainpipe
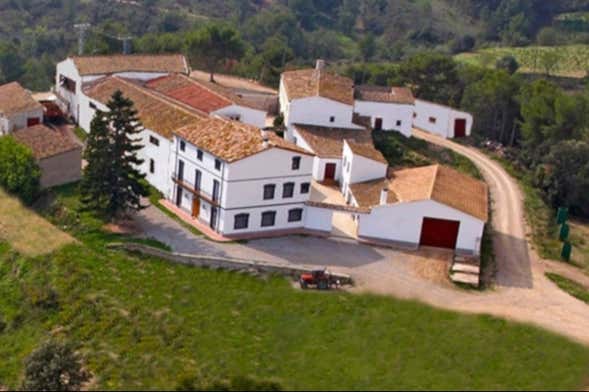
point(384, 195)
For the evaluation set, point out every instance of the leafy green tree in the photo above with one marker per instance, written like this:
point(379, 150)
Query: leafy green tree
point(54, 367)
point(493, 102)
point(116, 189)
point(367, 47)
point(19, 171)
point(432, 76)
point(566, 182)
point(214, 44)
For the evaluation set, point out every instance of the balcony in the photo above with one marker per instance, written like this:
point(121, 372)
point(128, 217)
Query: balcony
point(190, 187)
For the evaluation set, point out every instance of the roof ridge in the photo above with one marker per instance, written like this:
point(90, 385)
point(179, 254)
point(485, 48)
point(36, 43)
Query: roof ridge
point(127, 55)
point(149, 93)
point(203, 85)
point(436, 172)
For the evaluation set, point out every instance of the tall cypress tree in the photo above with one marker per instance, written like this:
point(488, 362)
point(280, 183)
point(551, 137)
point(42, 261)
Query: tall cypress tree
point(112, 183)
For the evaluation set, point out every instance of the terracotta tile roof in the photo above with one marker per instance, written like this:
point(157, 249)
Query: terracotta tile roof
point(105, 65)
point(399, 95)
point(440, 183)
point(155, 113)
point(318, 83)
point(329, 142)
point(45, 142)
point(367, 150)
point(15, 99)
point(232, 140)
point(204, 96)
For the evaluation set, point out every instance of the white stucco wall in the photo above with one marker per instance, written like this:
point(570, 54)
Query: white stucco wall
point(254, 117)
point(445, 118)
point(356, 168)
point(390, 114)
point(319, 168)
point(402, 223)
point(18, 121)
point(318, 111)
point(319, 219)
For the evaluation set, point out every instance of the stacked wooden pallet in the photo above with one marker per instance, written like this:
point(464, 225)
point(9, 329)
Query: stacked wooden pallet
point(466, 270)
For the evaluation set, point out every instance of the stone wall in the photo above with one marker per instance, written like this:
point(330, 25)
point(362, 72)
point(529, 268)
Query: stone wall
point(225, 263)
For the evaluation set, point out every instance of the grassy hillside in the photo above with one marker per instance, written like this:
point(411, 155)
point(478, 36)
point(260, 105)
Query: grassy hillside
point(567, 61)
point(144, 323)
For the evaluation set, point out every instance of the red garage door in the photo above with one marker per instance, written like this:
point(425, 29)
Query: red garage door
point(33, 121)
point(460, 127)
point(439, 233)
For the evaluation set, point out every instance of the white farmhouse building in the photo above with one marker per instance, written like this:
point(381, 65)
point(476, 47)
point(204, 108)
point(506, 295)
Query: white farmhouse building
point(442, 120)
point(18, 109)
point(241, 181)
point(209, 98)
point(316, 97)
point(75, 72)
point(158, 116)
point(387, 108)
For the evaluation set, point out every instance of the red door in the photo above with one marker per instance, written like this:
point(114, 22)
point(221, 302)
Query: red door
point(330, 171)
point(460, 127)
point(33, 121)
point(439, 233)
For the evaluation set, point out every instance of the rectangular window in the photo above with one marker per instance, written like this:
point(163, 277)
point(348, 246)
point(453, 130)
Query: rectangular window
point(288, 190)
point(399, 122)
point(199, 155)
point(197, 180)
point(268, 218)
point(433, 120)
point(180, 170)
point(241, 221)
point(332, 119)
point(305, 187)
point(216, 186)
point(151, 166)
point(296, 163)
point(182, 145)
point(217, 164)
point(67, 83)
point(269, 191)
point(154, 141)
point(295, 215)
point(92, 105)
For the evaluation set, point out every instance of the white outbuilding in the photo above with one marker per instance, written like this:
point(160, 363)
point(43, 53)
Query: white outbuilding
point(429, 206)
point(18, 109)
point(442, 120)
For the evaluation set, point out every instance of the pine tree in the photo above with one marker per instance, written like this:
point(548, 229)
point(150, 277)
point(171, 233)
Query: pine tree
point(95, 185)
point(126, 181)
point(112, 184)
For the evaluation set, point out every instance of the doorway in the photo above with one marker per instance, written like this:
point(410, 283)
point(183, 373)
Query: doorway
point(195, 207)
point(330, 171)
point(378, 124)
point(179, 195)
point(460, 127)
point(213, 223)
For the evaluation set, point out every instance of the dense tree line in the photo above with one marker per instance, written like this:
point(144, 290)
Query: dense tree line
point(35, 34)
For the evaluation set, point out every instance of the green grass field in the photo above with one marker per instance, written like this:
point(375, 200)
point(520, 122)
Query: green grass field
point(144, 323)
point(570, 286)
point(569, 60)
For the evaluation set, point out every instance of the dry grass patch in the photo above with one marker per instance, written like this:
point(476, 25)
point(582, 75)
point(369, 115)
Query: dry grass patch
point(27, 232)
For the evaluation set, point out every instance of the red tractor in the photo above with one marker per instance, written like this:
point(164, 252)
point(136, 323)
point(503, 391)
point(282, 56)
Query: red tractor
point(321, 279)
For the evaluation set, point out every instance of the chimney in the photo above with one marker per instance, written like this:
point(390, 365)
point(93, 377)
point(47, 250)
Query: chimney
point(319, 65)
point(384, 195)
point(265, 138)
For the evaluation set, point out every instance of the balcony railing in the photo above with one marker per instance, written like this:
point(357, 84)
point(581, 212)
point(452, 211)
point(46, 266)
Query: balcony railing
point(192, 188)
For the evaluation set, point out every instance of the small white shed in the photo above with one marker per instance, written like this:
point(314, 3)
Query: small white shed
point(442, 120)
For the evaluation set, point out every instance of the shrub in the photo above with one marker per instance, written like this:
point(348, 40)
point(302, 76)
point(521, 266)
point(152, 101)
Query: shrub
point(19, 171)
point(54, 367)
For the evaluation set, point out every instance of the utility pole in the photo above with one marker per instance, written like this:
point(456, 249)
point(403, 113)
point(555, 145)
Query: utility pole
point(82, 28)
